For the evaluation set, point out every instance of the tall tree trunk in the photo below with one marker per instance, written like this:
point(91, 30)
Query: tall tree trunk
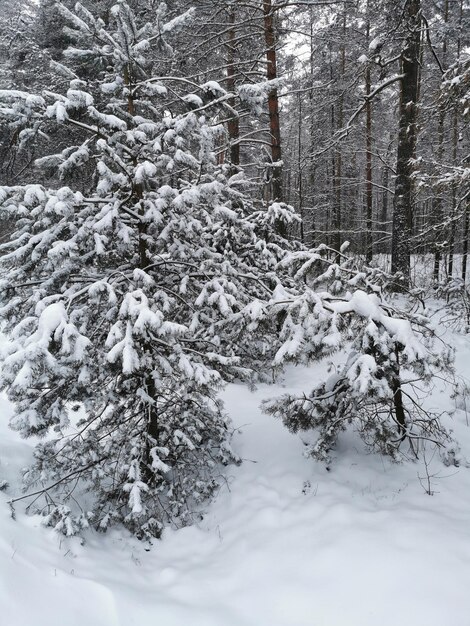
point(453, 225)
point(337, 208)
point(312, 167)
point(273, 101)
point(299, 168)
point(407, 135)
point(150, 407)
point(384, 209)
point(465, 239)
point(233, 125)
point(455, 139)
point(369, 239)
point(437, 211)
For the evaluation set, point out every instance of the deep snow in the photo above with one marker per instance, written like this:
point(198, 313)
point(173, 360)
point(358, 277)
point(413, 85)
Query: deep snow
point(286, 543)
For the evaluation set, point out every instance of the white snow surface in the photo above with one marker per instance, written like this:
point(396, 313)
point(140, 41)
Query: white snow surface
point(286, 543)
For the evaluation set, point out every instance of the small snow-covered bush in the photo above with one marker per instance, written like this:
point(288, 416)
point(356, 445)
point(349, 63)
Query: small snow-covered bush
point(455, 313)
point(392, 357)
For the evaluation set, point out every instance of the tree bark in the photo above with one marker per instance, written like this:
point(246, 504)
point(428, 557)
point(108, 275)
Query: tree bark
point(465, 240)
point(337, 208)
point(453, 226)
point(273, 102)
point(407, 135)
point(398, 403)
point(152, 427)
point(299, 167)
point(369, 239)
point(455, 138)
point(437, 212)
point(312, 167)
point(233, 125)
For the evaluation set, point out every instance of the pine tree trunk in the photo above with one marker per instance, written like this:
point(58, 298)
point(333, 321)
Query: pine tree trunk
point(312, 166)
point(273, 101)
point(465, 240)
point(337, 208)
point(407, 135)
point(152, 428)
point(455, 138)
point(299, 168)
point(437, 211)
point(233, 125)
point(369, 239)
point(398, 397)
point(453, 226)
point(384, 209)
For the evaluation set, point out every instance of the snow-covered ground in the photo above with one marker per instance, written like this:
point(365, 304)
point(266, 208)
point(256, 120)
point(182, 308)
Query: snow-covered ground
point(286, 543)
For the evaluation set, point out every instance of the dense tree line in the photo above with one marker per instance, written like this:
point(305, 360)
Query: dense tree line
point(327, 137)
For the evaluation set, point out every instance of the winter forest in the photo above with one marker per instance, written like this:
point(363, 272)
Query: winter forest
point(234, 312)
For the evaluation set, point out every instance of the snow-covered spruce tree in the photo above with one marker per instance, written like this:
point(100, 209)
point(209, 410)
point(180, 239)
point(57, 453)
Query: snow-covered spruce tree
point(126, 307)
point(392, 359)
